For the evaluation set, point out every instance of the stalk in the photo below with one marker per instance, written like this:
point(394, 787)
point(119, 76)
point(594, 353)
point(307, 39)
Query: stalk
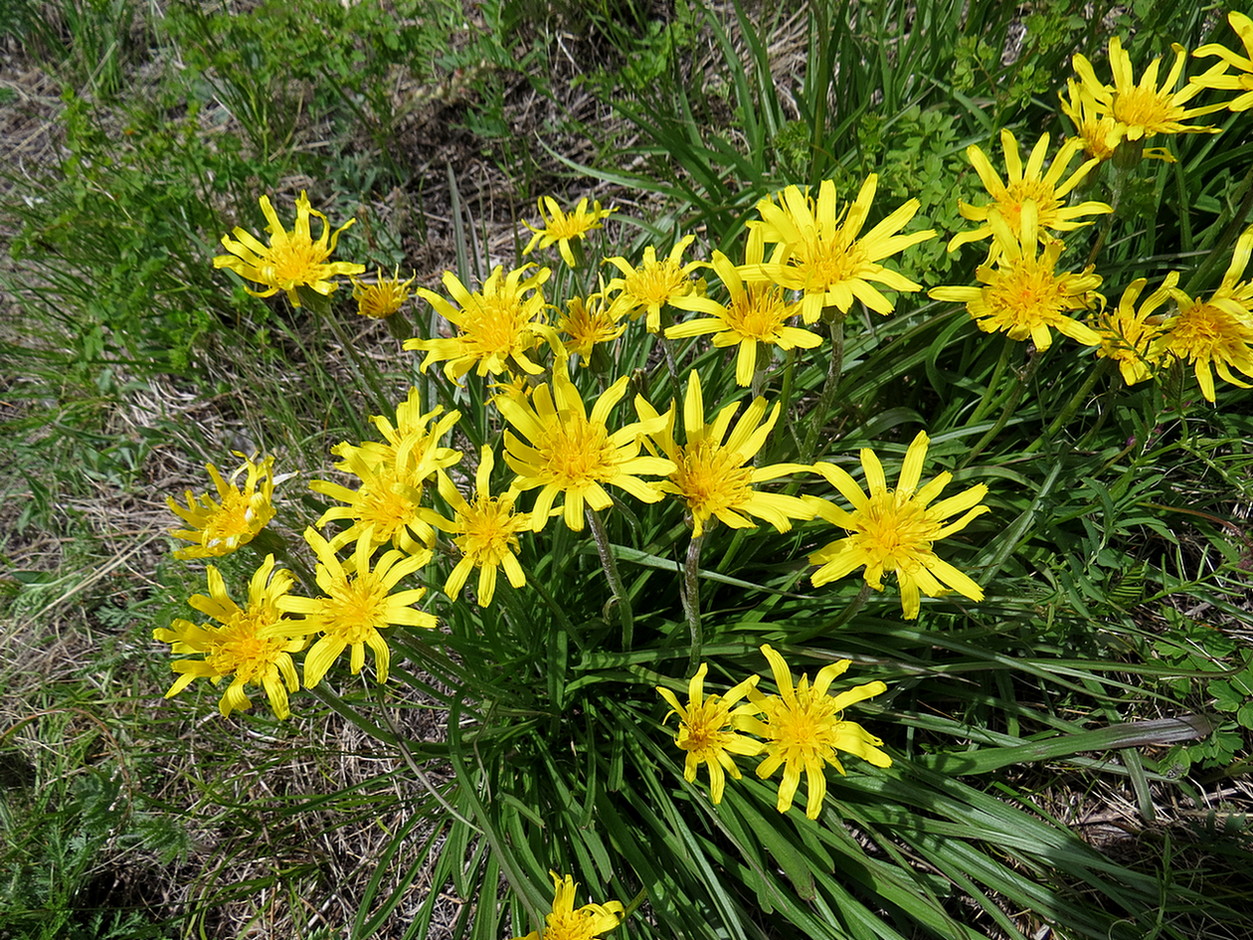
point(610, 564)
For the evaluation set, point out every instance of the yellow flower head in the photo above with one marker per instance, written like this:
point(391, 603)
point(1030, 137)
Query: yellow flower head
point(822, 252)
point(566, 923)
point(589, 321)
point(411, 448)
point(291, 259)
point(486, 530)
point(755, 313)
point(252, 646)
point(382, 298)
point(499, 324)
point(358, 603)
point(896, 529)
point(1217, 78)
point(1028, 184)
point(566, 452)
point(803, 728)
point(565, 229)
point(709, 730)
point(652, 284)
point(1023, 293)
point(1128, 332)
point(1142, 109)
point(218, 527)
point(387, 504)
point(1095, 129)
point(714, 474)
point(1215, 335)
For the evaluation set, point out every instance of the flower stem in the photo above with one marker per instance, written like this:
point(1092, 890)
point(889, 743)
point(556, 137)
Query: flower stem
point(1077, 399)
point(610, 564)
point(994, 383)
point(835, 367)
point(691, 599)
point(1011, 405)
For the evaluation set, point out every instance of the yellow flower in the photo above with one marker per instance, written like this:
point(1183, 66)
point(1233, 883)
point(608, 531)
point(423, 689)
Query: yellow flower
point(486, 530)
point(565, 923)
point(1095, 129)
point(565, 229)
point(1127, 334)
point(588, 321)
point(411, 447)
point(1215, 335)
point(1216, 78)
point(803, 728)
point(291, 259)
point(567, 452)
point(387, 505)
point(653, 284)
point(358, 603)
point(1142, 109)
point(382, 298)
point(754, 313)
point(896, 529)
point(818, 250)
point(1029, 183)
point(709, 730)
point(218, 528)
point(713, 473)
point(502, 322)
point(1023, 294)
point(238, 648)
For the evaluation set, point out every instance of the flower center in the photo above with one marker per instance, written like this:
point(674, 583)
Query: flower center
point(577, 452)
point(232, 519)
point(489, 531)
point(1026, 294)
point(570, 925)
point(758, 312)
point(240, 652)
point(895, 531)
point(1021, 191)
point(828, 263)
point(497, 325)
point(1143, 107)
point(657, 283)
point(293, 261)
point(804, 731)
point(1205, 329)
point(356, 608)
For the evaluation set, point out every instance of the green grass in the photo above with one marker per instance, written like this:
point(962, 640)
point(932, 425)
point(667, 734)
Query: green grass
point(1106, 675)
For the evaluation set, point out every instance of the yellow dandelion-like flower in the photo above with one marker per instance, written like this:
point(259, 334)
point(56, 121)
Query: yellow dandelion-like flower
point(1095, 129)
point(652, 284)
point(713, 474)
point(709, 730)
point(253, 645)
point(1128, 332)
point(566, 923)
point(1142, 109)
point(589, 322)
point(291, 259)
point(1218, 79)
point(387, 505)
point(803, 728)
point(1023, 293)
point(411, 447)
point(382, 298)
point(566, 230)
point(566, 452)
point(1215, 335)
point(896, 529)
point(218, 527)
point(1030, 183)
point(755, 313)
point(499, 324)
point(822, 252)
point(358, 603)
point(486, 531)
